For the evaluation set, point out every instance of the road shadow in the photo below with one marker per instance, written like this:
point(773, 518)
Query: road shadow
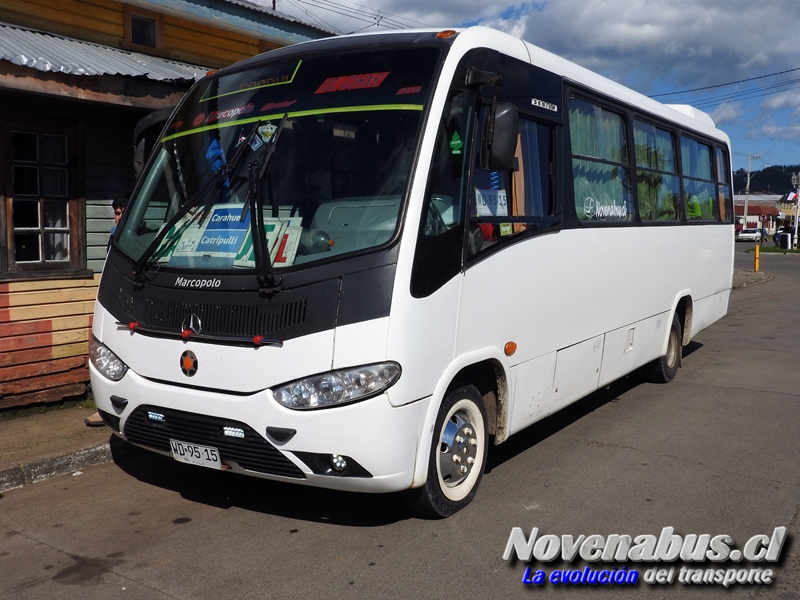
point(691, 348)
point(227, 490)
point(303, 502)
point(541, 430)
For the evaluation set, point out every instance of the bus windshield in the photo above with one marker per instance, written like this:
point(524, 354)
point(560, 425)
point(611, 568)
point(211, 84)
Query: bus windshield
point(314, 153)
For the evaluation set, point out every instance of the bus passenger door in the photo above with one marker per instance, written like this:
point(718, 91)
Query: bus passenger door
point(507, 291)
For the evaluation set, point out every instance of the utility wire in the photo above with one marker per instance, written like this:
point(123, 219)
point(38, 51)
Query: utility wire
point(311, 16)
point(710, 101)
point(725, 84)
point(359, 11)
point(750, 92)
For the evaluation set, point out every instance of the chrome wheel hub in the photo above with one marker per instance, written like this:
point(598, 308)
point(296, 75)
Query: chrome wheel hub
point(457, 450)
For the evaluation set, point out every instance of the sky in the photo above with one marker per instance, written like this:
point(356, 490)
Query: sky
point(653, 46)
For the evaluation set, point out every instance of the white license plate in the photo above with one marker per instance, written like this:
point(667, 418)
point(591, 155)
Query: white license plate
point(195, 454)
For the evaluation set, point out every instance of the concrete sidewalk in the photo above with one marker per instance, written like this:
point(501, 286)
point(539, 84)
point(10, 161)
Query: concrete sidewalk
point(744, 278)
point(38, 446)
point(56, 442)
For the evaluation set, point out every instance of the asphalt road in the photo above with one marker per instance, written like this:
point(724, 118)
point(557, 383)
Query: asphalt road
point(715, 451)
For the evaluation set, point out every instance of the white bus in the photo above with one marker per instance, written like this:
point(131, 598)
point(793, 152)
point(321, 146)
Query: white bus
point(456, 234)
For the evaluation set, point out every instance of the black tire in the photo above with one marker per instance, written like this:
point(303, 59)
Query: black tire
point(457, 457)
point(664, 369)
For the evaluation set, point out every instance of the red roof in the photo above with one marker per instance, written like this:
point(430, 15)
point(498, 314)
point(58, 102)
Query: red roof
point(756, 209)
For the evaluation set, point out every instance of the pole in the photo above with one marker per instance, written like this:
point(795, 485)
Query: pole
point(796, 207)
point(795, 182)
point(747, 190)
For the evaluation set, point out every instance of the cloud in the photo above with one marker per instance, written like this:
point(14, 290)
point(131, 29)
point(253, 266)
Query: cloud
point(776, 132)
point(727, 113)
point(782, 101)
point(636, 42)
point(652, 46)
point(690, 42)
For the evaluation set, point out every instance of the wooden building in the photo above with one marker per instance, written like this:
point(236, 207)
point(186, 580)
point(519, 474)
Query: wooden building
point(76, 76)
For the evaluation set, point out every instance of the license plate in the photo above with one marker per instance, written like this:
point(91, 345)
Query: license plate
point(195, 454)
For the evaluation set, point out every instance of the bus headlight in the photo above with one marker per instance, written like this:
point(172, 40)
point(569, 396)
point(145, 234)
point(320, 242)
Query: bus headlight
point(338, 387)
point(105, 361)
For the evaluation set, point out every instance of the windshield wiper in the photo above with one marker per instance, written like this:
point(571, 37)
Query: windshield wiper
point(268, 282)
point(149, 256)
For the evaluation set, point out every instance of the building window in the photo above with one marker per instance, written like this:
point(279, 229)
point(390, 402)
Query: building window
point(42, 212)
point(143, 28)
point(143, 31)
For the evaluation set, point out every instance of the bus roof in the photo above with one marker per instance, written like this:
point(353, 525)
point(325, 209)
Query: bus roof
point(485, 37)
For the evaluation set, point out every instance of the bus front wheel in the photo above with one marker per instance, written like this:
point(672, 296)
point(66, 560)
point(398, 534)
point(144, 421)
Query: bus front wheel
point(457, 457)
point(664, 369)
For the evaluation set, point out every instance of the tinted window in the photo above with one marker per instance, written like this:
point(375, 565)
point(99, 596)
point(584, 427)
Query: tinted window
point(600, 172)
point(699, 189)
point(657, 182)
point(723, 179)
point(523, 200)
point(334, 184)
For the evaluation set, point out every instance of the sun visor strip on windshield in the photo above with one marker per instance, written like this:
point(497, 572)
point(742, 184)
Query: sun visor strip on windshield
point(293, 115)
point(249, 89)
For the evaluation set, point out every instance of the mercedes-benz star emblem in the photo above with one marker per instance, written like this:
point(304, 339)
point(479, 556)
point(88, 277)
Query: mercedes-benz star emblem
point(189, 363)
point(192, 323)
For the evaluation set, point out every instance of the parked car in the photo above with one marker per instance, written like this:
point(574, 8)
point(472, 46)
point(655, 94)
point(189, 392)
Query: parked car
point(749, 235)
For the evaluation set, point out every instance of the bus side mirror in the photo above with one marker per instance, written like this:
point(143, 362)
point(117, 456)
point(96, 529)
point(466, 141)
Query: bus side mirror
point(499, 142)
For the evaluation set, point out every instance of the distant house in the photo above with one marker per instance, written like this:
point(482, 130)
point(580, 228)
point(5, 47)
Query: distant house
point(762, 211)
point(76, 76)
point(788, 208)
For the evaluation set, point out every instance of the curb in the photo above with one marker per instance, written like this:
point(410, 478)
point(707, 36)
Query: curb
point(33, 472)
point(753, 281)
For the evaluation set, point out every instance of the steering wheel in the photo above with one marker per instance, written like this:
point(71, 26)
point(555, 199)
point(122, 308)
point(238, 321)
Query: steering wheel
point(307, 205)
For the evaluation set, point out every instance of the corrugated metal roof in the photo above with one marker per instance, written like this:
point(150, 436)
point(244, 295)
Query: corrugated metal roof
point(56, 54)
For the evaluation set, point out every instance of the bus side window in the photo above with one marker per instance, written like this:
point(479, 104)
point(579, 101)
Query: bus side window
point(601, 174)
point(438, 253)
point(724, 186)
point(658, 183)
point(698, 182)
point(505, 204)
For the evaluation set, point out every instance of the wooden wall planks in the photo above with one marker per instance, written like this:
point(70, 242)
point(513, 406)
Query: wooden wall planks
point(44, 339)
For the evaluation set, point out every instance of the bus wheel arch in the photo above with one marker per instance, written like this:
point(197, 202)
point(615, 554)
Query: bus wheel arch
point(456, 457)
point(685, 310)
point(664, 368)
point(478, 393)
point(489, 378)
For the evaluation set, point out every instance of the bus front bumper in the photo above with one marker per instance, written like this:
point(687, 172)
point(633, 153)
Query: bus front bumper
point(367, 446)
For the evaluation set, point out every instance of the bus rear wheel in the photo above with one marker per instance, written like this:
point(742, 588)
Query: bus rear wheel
point(457, 457)
point(664, 369)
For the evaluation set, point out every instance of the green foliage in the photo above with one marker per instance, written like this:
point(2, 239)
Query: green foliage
point(770, 180)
